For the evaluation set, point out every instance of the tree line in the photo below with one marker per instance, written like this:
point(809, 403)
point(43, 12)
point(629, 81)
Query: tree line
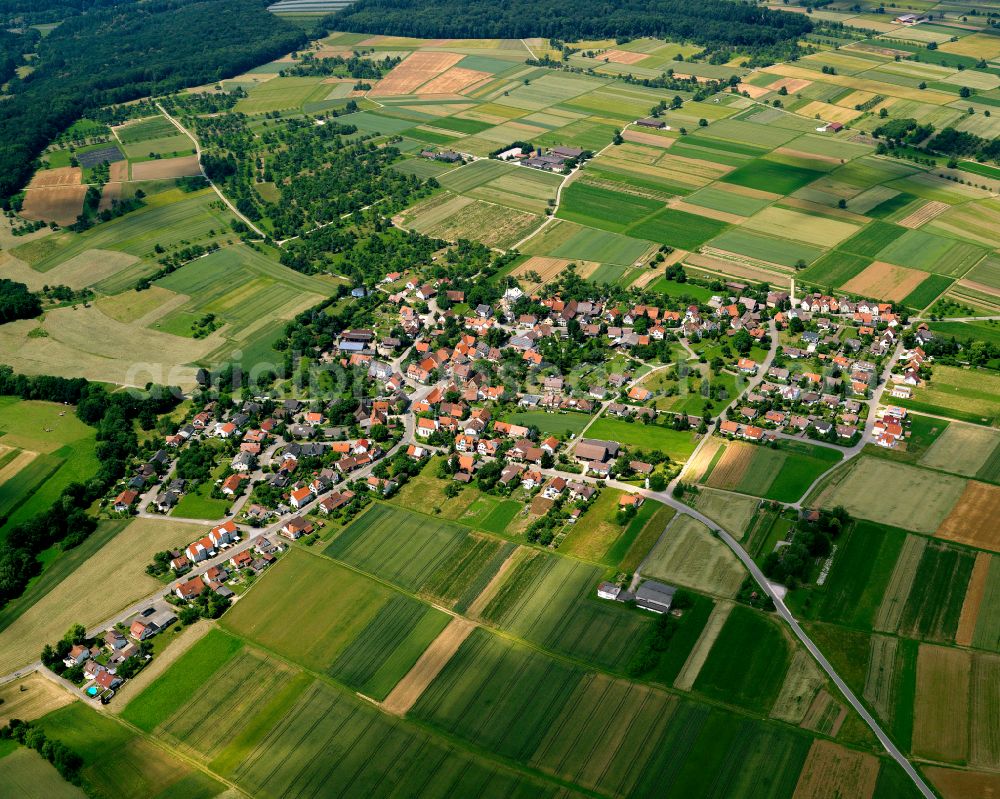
point(110, 55)
point(713, 23)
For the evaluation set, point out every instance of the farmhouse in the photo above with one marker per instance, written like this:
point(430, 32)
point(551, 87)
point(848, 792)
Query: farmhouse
point(608, 591)
point(654, 596)
point(595, 450)
point(651, 122)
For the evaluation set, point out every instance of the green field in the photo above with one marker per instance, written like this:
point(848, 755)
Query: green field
point(169, 218)
point(551, 601)
point(782, 473)
point(403, 548)
point(388, 646)
point(588, 244)
point(853, 591)
point(771, 176)
point(766, 248)
point(835, 268)
point(323, 740)
point(184, 676)
point(747, 663)
point(971, 395)
point(157, 127)
point(556, 718)
point(928, 291)
point(465, 573)
point(49, 449)
point(932, 253)
point(26, 774)
point(349, 602)
point(118, 762)
point(935, 603)
point(598, 207)
point(871, 240)
point(241, 287)
point(678, 445)
point(679, 229)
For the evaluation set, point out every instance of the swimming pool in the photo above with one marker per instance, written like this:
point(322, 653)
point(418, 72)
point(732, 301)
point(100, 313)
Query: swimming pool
point(92, 691)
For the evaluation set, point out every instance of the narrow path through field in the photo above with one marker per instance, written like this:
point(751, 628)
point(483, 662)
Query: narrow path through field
point(549, 219)
point(197, 149)
point(408, 690)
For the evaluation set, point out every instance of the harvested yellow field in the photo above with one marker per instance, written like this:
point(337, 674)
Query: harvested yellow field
point(133, 305)
point(924, 214)
point(20, 461)
point(941, 707)
point(973, 519)
point(59, 204)
point(828, 112)
point(955, 784)
point(885, 281)
point(732, 466)
point(109, 581)
point(977, 45)
point(697, 464)
point(755, 92)
point(973, 600)
point(90, 267)
point(621, 57)
point(790, 224)
point(415, 70)
point(647, 137)
point(541, 269)
point(165, 168)
point(61, 176)
point(31, 698)
point(833, 772)
point(864, 84)
point(791, 85)
point(454, 81)
point(86, 343)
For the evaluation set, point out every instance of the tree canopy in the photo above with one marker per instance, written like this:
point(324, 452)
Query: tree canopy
point(708, 22)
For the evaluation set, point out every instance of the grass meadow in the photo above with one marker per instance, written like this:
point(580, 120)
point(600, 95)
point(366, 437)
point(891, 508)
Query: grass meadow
point(44, 449)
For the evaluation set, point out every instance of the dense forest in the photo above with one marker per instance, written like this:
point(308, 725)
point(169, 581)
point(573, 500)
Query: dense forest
point(713, 23)
point(16, 302)
point(110, 55)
